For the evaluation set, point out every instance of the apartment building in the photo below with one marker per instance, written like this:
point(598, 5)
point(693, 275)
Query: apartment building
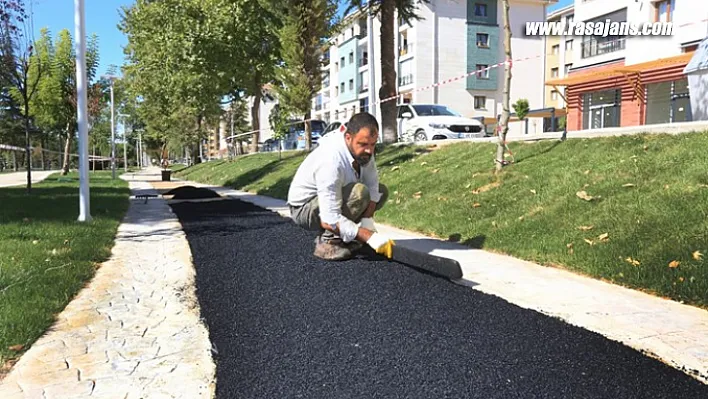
point(454, 37)
point(559, 61)
point(623, 80)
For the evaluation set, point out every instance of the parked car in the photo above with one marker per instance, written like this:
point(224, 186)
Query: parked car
point(334, 126)
point(423, 122)
point(298, 131)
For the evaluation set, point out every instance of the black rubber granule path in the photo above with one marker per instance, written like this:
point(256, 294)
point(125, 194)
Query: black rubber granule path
point(288, 325)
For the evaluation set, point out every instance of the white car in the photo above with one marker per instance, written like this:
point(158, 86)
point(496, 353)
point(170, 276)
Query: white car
point(423, 122)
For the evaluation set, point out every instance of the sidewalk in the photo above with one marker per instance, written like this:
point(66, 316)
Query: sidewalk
point(20, 178)
point(135, 330)
point(676, 334)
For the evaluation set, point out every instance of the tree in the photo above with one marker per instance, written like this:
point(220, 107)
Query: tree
point(504, 122)
point(278, 120)
point(302, 38)
point(21, 71)
point(521, 108)
point(386, 10)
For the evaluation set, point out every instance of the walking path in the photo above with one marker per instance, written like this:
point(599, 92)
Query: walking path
point(135, 331)
point(673, 332)
point(20, 178)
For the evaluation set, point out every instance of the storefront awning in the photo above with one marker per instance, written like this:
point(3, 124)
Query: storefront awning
point(620, 70)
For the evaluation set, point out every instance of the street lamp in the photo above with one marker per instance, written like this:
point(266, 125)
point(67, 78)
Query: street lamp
point(110, 77)
point(125, 145)
point(82, 110)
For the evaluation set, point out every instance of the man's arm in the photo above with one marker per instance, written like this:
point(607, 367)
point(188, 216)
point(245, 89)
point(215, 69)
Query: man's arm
point(329, 194)
point(370, 178)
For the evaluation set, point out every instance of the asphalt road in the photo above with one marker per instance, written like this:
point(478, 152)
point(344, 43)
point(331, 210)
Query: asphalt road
point(288, 325)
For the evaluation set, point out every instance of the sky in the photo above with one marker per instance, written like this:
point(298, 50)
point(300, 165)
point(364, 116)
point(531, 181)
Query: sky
point(102, 18)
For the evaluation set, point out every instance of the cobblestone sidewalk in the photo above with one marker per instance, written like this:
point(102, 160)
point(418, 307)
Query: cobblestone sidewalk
point(135, 330)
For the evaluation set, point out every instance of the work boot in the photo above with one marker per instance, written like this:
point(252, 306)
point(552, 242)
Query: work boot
point(334, 249)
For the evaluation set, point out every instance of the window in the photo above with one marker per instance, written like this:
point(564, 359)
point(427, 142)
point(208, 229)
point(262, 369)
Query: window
point(570, 19)
point(480, 102)
point(554, 72)
point(554, 95)
point(351, 57)
point(483, 72)
point(341, 87)
point(364, 58)
point(480, 10)
point(664, 10)
point(336, 91)
point(568, 45)
point(341, 62)
point(352, 31)
point(336, 67)
point(567, 68)
point(555, 49)
point(482, 40)
point(351, 84)
point(602, 109)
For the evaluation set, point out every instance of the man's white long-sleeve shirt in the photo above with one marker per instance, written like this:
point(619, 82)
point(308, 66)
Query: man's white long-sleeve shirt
point(324, 173)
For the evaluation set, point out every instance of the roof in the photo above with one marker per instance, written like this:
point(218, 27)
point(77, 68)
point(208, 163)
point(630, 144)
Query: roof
point(699, 62)
point(560, 12)
point(620, 70)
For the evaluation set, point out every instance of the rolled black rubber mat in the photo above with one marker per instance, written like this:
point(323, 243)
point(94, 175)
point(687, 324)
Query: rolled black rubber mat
point(191, 192)
point(285, 324)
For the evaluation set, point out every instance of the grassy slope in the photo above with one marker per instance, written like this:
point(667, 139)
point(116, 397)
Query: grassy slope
point(453, 193)
point(46, 256)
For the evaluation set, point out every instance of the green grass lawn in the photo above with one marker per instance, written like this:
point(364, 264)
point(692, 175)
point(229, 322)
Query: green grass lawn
point(46, 256)
point(645, 206)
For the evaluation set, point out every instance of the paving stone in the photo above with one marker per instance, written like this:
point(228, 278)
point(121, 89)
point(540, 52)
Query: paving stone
point(102, 334)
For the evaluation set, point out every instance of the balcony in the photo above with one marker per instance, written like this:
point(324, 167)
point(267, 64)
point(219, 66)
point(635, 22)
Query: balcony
point(406, 49)
point(363, 88)
point(363, 61)
point(405, 80)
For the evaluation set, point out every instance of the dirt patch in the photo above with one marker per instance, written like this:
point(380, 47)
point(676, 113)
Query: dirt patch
point(486, 187)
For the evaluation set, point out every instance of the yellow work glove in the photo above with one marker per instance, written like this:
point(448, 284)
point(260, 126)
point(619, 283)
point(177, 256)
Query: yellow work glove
point(381, 244)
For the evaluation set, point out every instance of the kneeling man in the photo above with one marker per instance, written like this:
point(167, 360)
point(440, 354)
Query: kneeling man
point(336, 191)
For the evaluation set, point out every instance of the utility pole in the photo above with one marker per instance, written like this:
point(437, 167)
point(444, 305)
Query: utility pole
point(125, 144)
point(82, 110)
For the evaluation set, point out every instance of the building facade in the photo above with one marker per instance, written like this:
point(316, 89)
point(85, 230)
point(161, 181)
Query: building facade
point(559, 56)
point(624, 80)
point(453, 38)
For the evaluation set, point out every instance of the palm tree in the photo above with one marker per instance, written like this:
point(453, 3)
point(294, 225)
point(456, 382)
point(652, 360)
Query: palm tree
point(386, 10)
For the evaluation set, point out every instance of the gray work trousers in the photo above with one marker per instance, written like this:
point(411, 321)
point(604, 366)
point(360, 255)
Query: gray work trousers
point(355, 200)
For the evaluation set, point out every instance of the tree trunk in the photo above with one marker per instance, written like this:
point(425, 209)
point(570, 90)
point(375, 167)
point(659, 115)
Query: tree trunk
point(256, 120)
point(14, 161)
point(41, 154)
point(389, 84)
point(504, 122)
point(67, 153)
point(28, 149)
point(308, 131)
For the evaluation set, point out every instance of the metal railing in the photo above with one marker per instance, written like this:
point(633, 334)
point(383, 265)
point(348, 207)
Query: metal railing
point(593, 48)
point(405, 80)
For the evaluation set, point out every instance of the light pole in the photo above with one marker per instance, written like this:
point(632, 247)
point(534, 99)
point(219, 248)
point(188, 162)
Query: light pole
point(113, 136)
point(125, 145)
point(82, 110)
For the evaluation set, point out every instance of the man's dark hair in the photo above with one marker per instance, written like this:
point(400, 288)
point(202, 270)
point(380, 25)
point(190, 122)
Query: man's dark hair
point(360, 121)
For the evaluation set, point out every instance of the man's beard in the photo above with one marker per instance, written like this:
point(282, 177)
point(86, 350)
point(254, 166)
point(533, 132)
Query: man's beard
point(363, 161)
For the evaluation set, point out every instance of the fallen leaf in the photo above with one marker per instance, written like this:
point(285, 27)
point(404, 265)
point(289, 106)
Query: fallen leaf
point(521, 218)
point(646, 147)
point(476, 205)
point(590, 242)
point(417, 195)
point(628, 185)
point(585, 228)
point(674, 264)
point(569, 245)
point(395, 168)
point(681, 279)
point(436, 170)
point(533, 191)
point(395, 193)
point(35, 242)
point(442, 199)
point(583, 195)
point(666, 187)
point(423, 163)
point(468, 185)
point(16, 348)
point(697, 255)
point(66, 242)
point(620, 275)
point(398, 200)
point(494, 223)
point(634, 262)
point(603, 237)
point(587, 172)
